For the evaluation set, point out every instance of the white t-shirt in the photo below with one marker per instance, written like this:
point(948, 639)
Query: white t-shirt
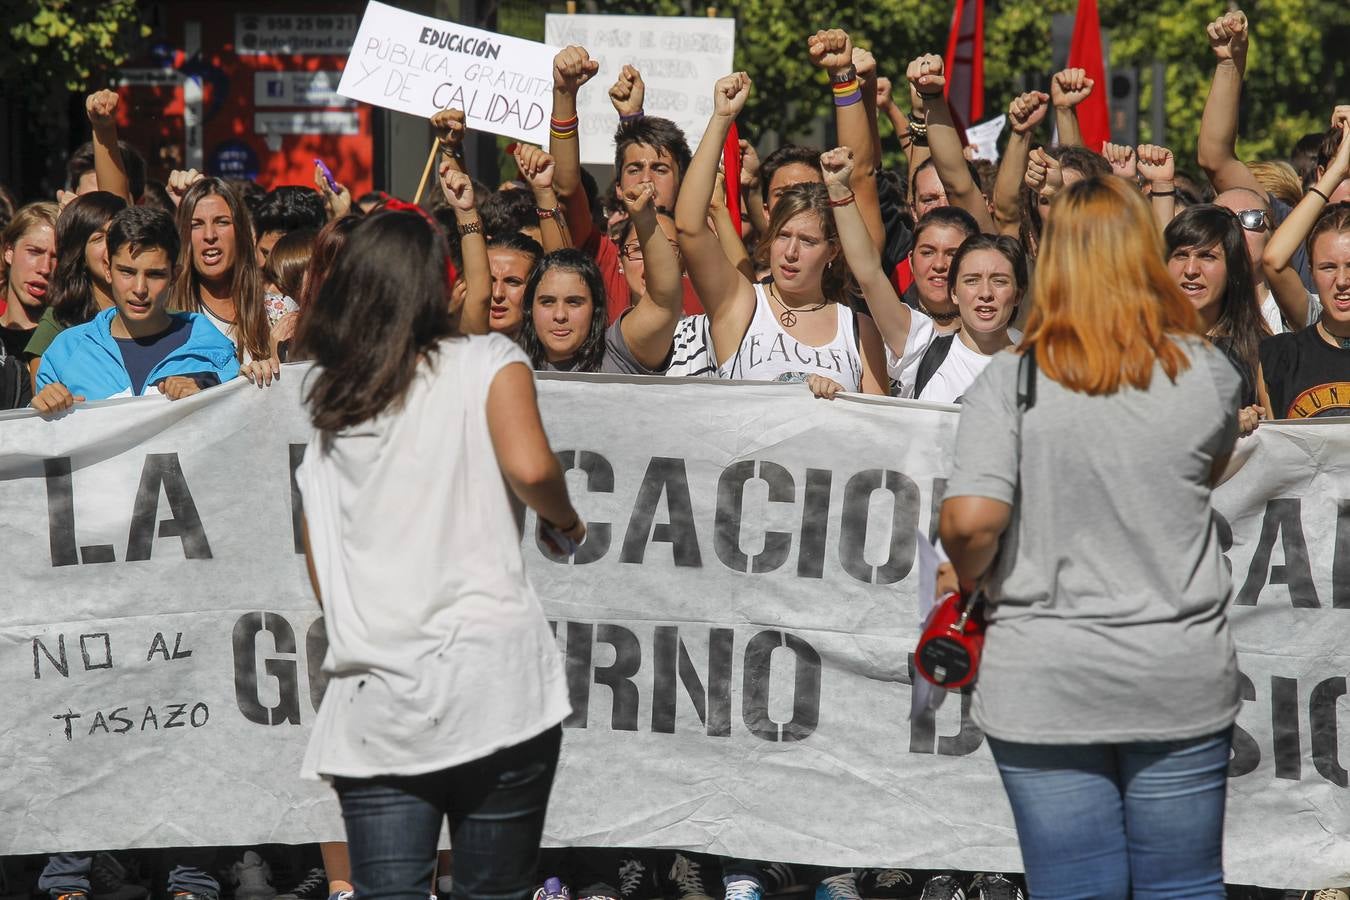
point(225, 328)
point(956, 374)
point(438, 650)
point(1270, 311)
point(768, 352)
point(903, 369)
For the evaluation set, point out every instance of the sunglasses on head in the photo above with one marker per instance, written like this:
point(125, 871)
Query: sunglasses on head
point(1252, 219)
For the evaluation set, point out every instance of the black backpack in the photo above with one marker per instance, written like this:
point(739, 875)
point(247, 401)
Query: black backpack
point(16, 388)
point(932, 360)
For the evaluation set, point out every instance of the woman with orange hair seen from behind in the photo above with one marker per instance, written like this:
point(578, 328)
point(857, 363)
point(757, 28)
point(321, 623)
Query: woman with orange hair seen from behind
point(1080, 505)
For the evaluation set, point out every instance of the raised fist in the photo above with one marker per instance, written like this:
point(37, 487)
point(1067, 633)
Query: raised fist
point(457, 188)
point(1027, 111)
point(1121, 158)
point(831, 50)
point(639, 200)
point(180, 181)
point(101, 107)
point(448, 124)
point(572, 68)
point(749, 164)
point(1070, 87)
point(864, 63)
point(535, 165)
point(627, 93)
point(926, 76)
point(1155, 163)
point(1043, 173)
point(837, 165)
point(730, 94)
point(1228, 37)
point(884, 99)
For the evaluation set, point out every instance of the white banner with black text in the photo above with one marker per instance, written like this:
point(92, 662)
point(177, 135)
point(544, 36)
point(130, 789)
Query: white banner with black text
point(736, 631)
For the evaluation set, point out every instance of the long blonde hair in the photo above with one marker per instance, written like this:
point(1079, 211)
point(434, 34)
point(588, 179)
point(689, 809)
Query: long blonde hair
point(1104, 307)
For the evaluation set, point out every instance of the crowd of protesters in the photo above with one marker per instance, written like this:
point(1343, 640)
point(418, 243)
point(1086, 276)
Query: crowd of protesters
point(840, 275)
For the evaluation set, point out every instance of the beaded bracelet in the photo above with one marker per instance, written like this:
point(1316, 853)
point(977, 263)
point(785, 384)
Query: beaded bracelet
point(468, 228)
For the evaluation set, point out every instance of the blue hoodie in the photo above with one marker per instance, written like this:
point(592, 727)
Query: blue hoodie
point(87, 360)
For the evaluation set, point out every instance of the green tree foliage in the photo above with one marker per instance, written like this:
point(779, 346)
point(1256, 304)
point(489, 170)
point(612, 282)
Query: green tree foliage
point(64, 44)
point(1298, 69)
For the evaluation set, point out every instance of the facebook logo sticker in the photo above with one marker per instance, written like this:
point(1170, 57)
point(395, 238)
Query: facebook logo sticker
point(276, 88)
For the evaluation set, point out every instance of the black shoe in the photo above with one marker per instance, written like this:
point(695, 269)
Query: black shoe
point(993, 886)
point(314, 886)
point(779, 878)
point(943, 887)
point(637, 880)
point(885, 884)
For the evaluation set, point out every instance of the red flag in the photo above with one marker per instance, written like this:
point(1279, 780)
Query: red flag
point(964, 63)
point(731, 168)
point(1085, 52)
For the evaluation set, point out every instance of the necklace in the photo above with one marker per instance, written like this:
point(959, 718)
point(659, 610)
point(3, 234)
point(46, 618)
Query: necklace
point(789, 316)
point(1342, 342)
point(940, 318)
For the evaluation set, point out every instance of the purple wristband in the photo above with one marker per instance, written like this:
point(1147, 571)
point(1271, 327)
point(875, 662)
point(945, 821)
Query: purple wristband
point(633, 117)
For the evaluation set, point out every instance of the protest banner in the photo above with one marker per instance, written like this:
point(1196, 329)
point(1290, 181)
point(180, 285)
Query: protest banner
point(679, 58)
point(736, 630)
point(418, 64)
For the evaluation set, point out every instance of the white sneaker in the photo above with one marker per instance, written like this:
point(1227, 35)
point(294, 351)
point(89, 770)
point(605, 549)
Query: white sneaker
point(253, 878)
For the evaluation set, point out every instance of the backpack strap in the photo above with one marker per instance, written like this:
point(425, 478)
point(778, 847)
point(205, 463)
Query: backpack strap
point(932, 360)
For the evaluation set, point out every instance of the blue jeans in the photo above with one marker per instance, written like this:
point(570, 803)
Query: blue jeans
point(1115, 820)
point(496, 808)
point(68, 873)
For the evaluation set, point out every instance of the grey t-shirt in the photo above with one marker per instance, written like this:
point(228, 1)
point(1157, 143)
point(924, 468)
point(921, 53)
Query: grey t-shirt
point(1108, 621)
point(618, 359)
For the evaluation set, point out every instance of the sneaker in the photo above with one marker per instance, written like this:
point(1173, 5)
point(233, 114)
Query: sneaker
point(885, 884)
point(108, 880)
point(553, 889)
point(636, 880)
point(1327, 894)
point(687, 876)
point(72, 895)
point(742, 888)
point(253, 878)
point(843, 886)
point(943, 887)
point(993, 886)
point(780, 879)
point(314, 886)
point(195, 895)
point(342, 895)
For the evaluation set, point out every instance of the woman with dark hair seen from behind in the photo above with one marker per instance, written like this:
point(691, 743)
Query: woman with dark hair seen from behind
point(218, 273)
point(82, 283)
point(564, 328)
point(1108, 686)
point(1207, 256)
point(1308, 372)
point(327, 249)
point(448, 702)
